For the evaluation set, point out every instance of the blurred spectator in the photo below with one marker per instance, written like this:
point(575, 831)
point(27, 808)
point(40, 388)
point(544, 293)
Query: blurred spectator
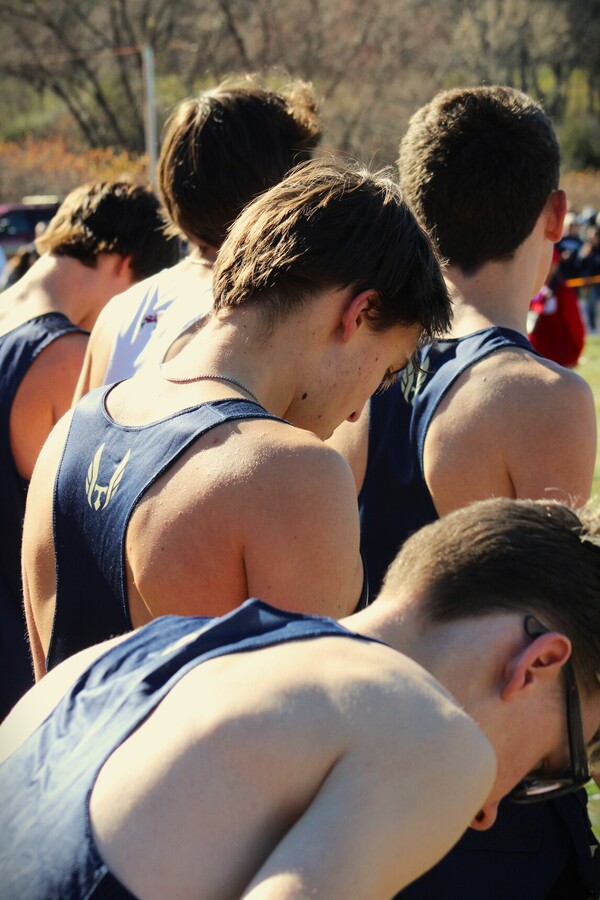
point(569, 245)
point(17, 265)
point(587, 217)
point(588, 265)
point(555, 326)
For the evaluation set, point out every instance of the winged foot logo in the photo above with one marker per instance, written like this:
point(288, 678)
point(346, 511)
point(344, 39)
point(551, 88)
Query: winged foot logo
point(98, 495)
point(412, 380)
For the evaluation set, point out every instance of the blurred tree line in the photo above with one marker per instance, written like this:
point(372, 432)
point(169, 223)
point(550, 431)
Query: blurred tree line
point(73, 67)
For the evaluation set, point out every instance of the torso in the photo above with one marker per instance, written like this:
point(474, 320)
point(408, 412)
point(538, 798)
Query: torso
point(293, 707)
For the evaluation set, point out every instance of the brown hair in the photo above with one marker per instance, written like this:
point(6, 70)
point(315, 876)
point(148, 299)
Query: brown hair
point(501, 555)
point(228, 145)
point(331, 226)
point(478, 165)
point(111, 217)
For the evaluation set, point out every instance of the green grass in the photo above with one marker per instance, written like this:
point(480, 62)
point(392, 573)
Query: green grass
point(589, 368)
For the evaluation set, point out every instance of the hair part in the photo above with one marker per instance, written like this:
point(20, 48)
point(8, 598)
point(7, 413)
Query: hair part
point(330, 226)
point(502, 555)
point(478, 165)
point(229, 144)
point(112, 217)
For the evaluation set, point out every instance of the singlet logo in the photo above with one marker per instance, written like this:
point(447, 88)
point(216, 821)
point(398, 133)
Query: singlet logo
point(412, 380)
point(99, 496)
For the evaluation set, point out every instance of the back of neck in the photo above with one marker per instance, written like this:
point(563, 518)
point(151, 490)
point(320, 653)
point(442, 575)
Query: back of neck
point(496, 295)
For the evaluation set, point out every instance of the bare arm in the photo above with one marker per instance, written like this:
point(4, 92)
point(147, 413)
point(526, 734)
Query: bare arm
point(303, 553)
point(96, 358)
point(38, 568)
point(43, 397)
point(351, 440)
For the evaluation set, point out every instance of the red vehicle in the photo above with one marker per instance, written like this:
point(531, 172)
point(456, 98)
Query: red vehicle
point(18, 220)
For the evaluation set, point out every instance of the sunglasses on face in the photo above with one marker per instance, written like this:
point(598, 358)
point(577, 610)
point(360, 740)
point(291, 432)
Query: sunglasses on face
point(546, 787)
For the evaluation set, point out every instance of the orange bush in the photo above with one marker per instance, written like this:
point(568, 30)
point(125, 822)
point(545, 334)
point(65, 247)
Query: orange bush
point(583, 189)
point(51, 167)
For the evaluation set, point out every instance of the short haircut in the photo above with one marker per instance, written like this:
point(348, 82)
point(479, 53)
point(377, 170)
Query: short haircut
point(478, 165)
point(112, 217)
point(332, 226)
point(226, 146)
point(504, 556)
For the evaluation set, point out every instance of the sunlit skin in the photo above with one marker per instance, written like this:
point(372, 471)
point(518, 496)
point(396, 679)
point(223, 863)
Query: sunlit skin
point(340, 392)
point(212, 513)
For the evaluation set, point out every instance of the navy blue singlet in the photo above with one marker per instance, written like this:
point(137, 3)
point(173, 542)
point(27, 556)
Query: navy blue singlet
point(394, 500)
point(19, 348)
point(104, 471)
point(46, 846)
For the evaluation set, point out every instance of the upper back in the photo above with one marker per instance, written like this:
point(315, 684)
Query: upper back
point(515, 425)
point(480, 416)
point(279, 702)
point(94, 502)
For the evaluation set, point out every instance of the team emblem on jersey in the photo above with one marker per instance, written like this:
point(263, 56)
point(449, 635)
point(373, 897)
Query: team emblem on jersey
point(412, 379)
point(99, 496)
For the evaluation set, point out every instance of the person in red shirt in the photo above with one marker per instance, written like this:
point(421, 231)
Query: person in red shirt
point(555, 325)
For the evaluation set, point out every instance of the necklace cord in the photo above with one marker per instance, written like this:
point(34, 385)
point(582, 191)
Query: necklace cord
point(226, 378)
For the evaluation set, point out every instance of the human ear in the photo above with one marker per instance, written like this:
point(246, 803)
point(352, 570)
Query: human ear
point(123, 266)
point(355, 312)
point(540, 660)
point(556, 211)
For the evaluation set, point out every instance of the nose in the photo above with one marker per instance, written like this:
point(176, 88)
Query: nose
point(485, 818)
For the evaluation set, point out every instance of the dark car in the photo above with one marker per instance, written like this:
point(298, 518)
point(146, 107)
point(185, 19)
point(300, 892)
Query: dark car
point(18, 221)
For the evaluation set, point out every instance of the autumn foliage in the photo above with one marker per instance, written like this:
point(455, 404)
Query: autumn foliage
point(51, 167)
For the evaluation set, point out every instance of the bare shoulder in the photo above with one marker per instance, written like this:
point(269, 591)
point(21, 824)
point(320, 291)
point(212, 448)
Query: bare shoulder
point(312, 479)
point(394, 689)
point(46, 390)
point(512, 365)
point(387, 797)
point(513, 425)
point(353, 758)
point(59, 364)
point(293, 448)
point(44, 395)
point(275, 455)
point(284, 505)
